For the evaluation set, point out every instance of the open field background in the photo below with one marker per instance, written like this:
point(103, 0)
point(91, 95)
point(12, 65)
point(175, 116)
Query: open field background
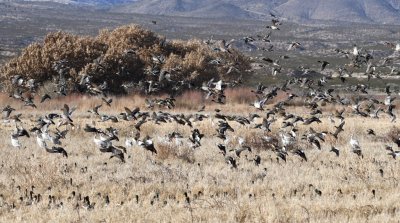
point(185, 184)
point(152, 188)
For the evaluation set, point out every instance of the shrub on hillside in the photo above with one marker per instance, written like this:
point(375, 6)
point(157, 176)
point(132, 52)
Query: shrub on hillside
point(128, 54)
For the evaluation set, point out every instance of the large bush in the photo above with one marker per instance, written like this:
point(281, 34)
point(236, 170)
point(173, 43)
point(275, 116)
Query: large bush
point(124, 55)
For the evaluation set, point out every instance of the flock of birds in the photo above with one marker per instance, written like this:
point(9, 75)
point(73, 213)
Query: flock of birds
point(316, 92)
point(264, 112)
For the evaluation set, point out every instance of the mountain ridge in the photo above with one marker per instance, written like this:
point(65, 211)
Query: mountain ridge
point(359, 11)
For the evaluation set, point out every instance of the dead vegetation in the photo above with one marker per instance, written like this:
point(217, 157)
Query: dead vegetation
point(182, 184)
point(126, 55)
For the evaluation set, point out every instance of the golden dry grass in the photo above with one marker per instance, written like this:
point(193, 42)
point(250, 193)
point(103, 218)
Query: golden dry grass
point(151, 188)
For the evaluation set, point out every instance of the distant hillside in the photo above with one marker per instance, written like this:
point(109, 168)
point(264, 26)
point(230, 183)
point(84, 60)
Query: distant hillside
point(190, 8)
point(96, 3)
point(379, 11)
point(366, 11)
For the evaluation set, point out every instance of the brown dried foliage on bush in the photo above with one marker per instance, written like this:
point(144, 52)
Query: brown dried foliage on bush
point(120, 56)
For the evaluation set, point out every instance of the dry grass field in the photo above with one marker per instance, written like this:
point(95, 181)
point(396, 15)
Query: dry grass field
point(261, 177)
point(182, 184)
